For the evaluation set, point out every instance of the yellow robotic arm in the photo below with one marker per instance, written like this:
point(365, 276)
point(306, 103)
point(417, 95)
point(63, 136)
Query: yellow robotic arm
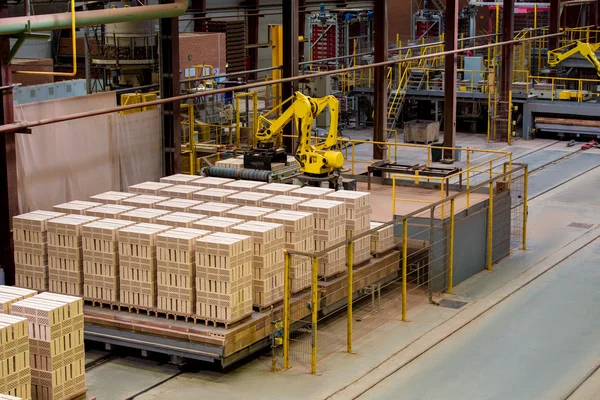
point(587, 50)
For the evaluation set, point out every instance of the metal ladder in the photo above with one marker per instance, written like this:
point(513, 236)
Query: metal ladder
point(415, 81)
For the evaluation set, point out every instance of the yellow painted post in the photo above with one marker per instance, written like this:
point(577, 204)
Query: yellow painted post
point(451, 255)
point(277, 60)
point(192, 141)
point(314, 304)
point(254, 118)
point(442, 197)
point(469, 177)
point(238, 125)
point(350, 259)
point(352, 158)
point(286, 309)
point(395, 144)
point(393, 195)
point(429, 156)
point(404, 265)
point(490, 243)
point(525, 206)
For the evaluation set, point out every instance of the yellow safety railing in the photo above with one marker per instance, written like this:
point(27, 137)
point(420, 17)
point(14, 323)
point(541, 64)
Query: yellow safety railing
point(238, 124)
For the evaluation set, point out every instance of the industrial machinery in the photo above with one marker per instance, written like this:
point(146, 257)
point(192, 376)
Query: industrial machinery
point(587, 50)
point(318, 159)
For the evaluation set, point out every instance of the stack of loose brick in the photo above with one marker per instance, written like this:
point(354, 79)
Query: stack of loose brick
point(252, 199)
point(212, 182)
point(358, 220)
point(65, 254)
point(223, 277)
point(284, 202)
point(213, 209)
point(144, 201)
point(181, 191)
point(15, 371)
point(12, 294)
point(277, 189)
point(179, 179)
point(243, 186)
point(310, 192)
point(178, 205)
point(382, 239)
point(298, 227)
point(101, 260)
point(214, 194)
point(56, 344)
point(329, 230)
point(217, 224)
point(76, 207)
point(176, 267)
point(111, 197)
point(152, 188)
point(180, 219)
point(144, 215)
point(31, 248)
point(249, 213)
point(230, 163)
point(113, 211)
point(137, 265)
point(267, 262)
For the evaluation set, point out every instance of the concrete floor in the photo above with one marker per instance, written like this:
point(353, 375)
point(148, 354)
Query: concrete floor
point(539, 343)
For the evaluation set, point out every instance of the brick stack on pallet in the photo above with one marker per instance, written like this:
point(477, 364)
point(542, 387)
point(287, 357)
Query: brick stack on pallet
point(176, 268)
point(144, 215)
point(284, 202)
point(65, 254)
point(252, 199)
point(181, 191)
point(382, 239)
point(152, 188)
point(234, 163)
point(243, 186)
point(310, 192)
point(179, 179)
point(55, 344)
point(298, 227)
point(180, 219)
point(223, 278)
point(329, 230)
point(76, 207)
point(144, 201)
point(112, 211)
point(267, 262)
point(111, 197)
point(277, 189)
point(30, 238)
point(214, 195)
point(137, 265)
point(249, 213)
point(358, 220)
point(101, 260)
point(218, 224)
point(213, 209)
point(15, 373)
point(12, 294)
point(178, 205)
point(212, 182)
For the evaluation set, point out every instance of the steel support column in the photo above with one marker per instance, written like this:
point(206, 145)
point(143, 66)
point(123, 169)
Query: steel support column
point(301, 29)
point(450, 71)
point(380, 90)
point(199, 7)
point(593, 15)
point(252, 29)
point(170, 87)
point(554, 23)
point(9, 205)
point(508, 33)
point(290, 58)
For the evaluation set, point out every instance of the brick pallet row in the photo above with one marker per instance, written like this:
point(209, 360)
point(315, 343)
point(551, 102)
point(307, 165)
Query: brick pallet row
point(223, 277)
point(329, 218)
point(248, 198)
point(152, 188)
point(249, 213)
point(76, 207)
point(144, 201)
point(243, 185)
point(178, 205)
point(310, 192)
point(15, 373)
point(111, 197)
point(218, 224)
point(277, 189)
point(65, 254)
point(101, 259)
point(181, 191)
point(298, 227)
point(213, 209)
point(383, 239)
point(176, 268)
point(212, 182)
point(31, 248)
point(12, 294)
point(179, 179)
point(137, 264)
point(180, 219)
point(284, 202)
point(144, 215)
point(113, 211)
point(214, 194)
point(267, 263)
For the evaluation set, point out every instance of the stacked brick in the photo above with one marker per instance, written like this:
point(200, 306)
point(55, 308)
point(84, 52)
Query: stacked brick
point(358, 220)
point(176, 268)
point(277, 189)
point(65, 254)
point(144, 215)
point(179, 179)
point(249, 213)
point(152, 188)
point(112, 211)
point(243, 186)
point(217, 224)
point(267, 262)
point(180, 219)
point(298, 227)
point(101, 260)
point(76, 207)
point(56, 345)
point(181, 191)
point(137, 264)
point(144, 201)
point(15, 373)
point(12, 294)
point(212, 182)
point(310, 192)
point(248, 198)
point(178, 205)
point(235, 163)
point(382, 239)
point(213, 209)
point(214, 194)
point(223, 277)
point(329, 229)
point(284, 202)
point(111, 197)
point(30, 238)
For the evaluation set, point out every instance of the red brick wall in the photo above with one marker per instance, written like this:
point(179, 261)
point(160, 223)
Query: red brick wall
point(202, 48)
point(32, 64)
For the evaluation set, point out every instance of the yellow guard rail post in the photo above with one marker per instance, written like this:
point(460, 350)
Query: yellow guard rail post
point(286, 309)
point(451, 255)
point(404, 265)
point(314, 303)
point(350, 260)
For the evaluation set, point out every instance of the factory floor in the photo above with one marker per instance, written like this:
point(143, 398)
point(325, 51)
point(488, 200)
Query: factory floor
point(534, 330)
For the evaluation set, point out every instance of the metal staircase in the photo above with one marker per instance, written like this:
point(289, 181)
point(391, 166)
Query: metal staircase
point(412, 79)
point(439, 5)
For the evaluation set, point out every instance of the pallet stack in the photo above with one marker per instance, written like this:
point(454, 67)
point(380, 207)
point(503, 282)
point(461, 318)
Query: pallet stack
point(144, 215)
point(76, 207)
point(111, 197)
point(243, 186)
point(30, 238)
point(178, 205)
point(212, 182)
point(358, 220)
point(65, 254)
point(181, 191)
point(213, 209)
point(144, 201)
point(55, 343)
point(152, 188)
point(112, 211)
point(383, 239)
point(284, 202)
point(101, 260)
point(179, 179)
point(15, 373)
point(235, 163)
point(277, 189)
point(223, 278)
point(137, 265)
point(298, 227)
point(12, 294)
point(249, 213)
point(268, 240)
point(180, 219)
point(214, 195)
point(329, 229)
point(310, 192)
point(176, 268)
point(252, 199)
point(218, 224)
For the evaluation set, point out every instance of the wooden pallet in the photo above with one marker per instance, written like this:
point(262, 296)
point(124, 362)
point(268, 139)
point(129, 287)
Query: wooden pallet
point(101, 303)
point(266, 308)
point(175, 316)
point(386, 252)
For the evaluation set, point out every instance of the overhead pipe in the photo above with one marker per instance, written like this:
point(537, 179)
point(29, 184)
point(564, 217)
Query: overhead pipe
point(48, 22)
